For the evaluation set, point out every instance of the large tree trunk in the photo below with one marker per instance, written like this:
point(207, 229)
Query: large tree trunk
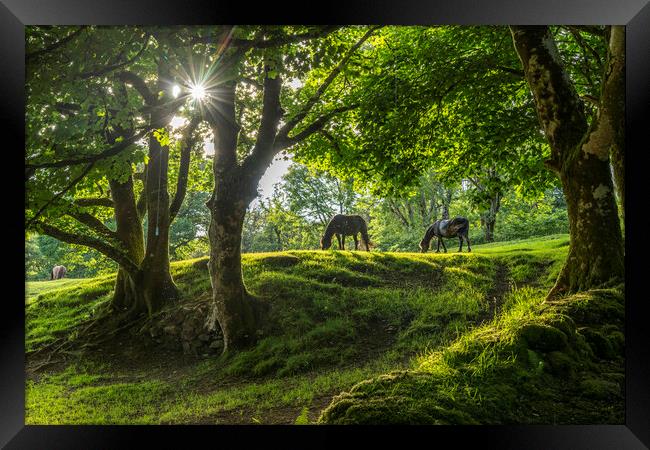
point(151, 286)
point(234, 310)
point(157, 284)
point(596, 251)
point(580, 157)
point(613, 101)
point(130, 235)
point(489, 218)
point(237, 312)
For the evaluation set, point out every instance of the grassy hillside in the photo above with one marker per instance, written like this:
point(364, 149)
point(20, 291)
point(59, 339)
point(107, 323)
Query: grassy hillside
point(447, 323)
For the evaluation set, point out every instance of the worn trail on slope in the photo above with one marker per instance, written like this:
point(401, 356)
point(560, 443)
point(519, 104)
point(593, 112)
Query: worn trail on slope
point(496, 294)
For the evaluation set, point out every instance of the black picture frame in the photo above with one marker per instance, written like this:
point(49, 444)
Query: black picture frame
point(15, 14)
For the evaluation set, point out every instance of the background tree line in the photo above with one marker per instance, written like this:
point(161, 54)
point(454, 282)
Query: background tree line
point(295, 215)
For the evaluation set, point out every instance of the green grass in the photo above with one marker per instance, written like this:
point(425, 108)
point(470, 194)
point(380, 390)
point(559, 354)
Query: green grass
point(558, 362)
point(337, 320)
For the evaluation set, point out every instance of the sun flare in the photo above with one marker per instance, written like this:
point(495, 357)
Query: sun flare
point(198, 92)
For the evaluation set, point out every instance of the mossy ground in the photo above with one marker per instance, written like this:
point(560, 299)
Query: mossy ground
point(448, 323)
point(557, 362)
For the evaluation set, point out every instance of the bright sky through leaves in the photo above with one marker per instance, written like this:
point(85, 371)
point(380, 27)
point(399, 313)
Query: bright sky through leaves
point(198, 92)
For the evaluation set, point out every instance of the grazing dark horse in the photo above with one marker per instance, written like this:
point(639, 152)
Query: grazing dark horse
point(447, 228)
point(342, 225)
point(58, 272)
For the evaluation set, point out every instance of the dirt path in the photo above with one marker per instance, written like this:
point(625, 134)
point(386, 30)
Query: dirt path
point(497, 293)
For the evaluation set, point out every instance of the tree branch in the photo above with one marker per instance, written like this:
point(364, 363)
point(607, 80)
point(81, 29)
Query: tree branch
point(591, 99)
point(256, 84)
point(393, 207)
point(108, 69)
point(68, 109)
point(139, 84)
point(184, 167)
point(113, 253)
point(585, 46)
point(312, 128)
point(92, 159)
point(591, 29)
point(559, 109)
point(264, 150)
point(93, 223)
point(332, 140)
point(107, 202)
point(518, 72)
point(29, 57)
point(291, 124)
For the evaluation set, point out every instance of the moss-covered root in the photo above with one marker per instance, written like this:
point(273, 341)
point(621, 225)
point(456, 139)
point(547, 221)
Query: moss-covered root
point(402, 397)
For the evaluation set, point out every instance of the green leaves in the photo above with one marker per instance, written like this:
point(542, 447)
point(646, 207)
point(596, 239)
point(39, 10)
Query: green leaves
point(162, 136)
point(433, 97)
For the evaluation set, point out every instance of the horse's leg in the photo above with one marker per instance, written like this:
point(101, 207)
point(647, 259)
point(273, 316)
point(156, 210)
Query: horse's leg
point(443, 244)
point(338, 238)
point(438, 246)
point(469, 249)
point(343, 242)
point(460, 239)
point(356, 241)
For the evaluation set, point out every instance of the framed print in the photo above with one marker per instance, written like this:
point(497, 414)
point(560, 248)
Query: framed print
point(192, 171)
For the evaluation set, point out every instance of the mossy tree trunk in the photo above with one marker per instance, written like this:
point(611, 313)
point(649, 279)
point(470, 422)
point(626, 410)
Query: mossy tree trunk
point(580, 156)
point(131, 237)
point(157, 284)
point(489, 218)
point(234, 310)
point(613, 107)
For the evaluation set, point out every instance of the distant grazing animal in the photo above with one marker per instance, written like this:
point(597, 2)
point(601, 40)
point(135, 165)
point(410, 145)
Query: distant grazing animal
point(342, 225)
point(58, 272)
point(447, 228)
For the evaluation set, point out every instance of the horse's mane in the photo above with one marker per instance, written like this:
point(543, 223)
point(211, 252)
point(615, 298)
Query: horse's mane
point(329, 230)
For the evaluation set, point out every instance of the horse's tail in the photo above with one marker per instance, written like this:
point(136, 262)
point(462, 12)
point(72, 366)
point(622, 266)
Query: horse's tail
point(52, 274)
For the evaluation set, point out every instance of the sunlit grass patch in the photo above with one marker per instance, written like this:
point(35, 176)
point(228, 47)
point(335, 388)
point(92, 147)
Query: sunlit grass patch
point(54, 312)
point(336, 318)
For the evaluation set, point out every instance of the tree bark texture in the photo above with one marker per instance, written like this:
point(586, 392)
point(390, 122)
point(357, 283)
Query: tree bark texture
point(580, 157)
point(131, 237)
point(158, 286)
point(234, 310)
point(489, 218)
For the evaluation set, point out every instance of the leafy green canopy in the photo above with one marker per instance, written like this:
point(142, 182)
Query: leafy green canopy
point(452, 99)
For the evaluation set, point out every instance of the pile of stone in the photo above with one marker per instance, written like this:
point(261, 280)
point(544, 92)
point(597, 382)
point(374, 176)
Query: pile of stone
point(183, 328)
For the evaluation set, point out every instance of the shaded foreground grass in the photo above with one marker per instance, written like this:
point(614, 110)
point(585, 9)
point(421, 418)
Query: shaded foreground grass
point(336, 319)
